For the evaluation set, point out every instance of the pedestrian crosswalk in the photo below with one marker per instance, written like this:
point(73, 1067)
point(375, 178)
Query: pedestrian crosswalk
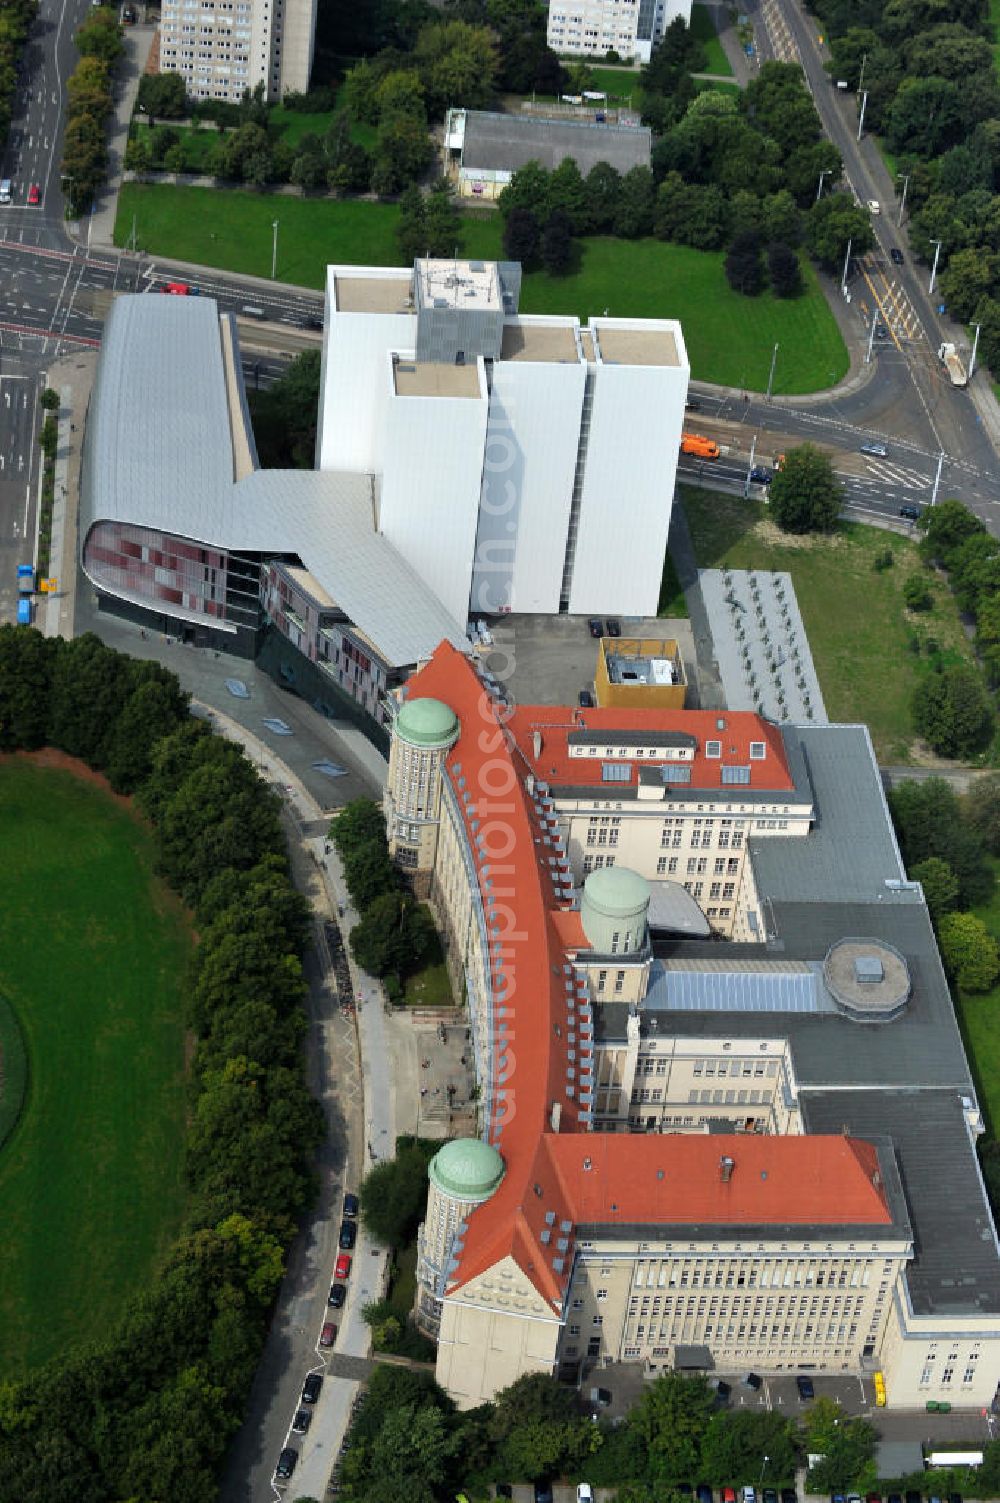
point(894, 474)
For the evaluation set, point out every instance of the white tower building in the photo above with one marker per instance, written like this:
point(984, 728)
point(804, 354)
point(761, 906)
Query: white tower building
point(223, 47)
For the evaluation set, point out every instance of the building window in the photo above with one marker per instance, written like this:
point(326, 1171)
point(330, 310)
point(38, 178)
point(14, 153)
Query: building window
point(602, 1294)
point(758, 751)
point(713, 748)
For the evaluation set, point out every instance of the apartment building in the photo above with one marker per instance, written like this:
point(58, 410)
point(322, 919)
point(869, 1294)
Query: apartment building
point(632, 28)
point(503, 444)
point(222, 48)
point(694, 1152)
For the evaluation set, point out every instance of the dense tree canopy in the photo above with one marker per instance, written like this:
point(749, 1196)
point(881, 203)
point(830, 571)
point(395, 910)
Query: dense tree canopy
point(806, 495)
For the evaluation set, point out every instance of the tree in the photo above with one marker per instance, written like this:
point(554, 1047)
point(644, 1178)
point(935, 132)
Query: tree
point(969, 951)
point(969, 276)
point(557, 244)
point(521, 236)
point(527, 189)
point(847, 1446)
point(744, 269)
point(926, 117)
point(928, 820)
point(162, 96)
point(833, 222)
point(917, 594)
point(805, 493)
point(783, 270)
point(981, 810)
point(401, 92)
point(443, 224)
point(603, 198)
point(369, 874)
point(567, 194)
point(411, 229)
point(952, 711)
point(50, 400)
point(358, 822)
point(947, 526)
point(939, 883)
point(402, 153)
point(735, 1442)
point(396, 936)
point(457, 63)
point(671, 1418)
point(88, 89)
point(394, 1193)
point(638, 201)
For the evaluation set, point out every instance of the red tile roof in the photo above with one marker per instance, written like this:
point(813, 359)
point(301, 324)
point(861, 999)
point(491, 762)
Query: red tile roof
point(792, 1180)
point(556, 724)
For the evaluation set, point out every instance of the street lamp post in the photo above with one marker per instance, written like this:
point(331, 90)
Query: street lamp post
point(861, 118)
point(972, 359)
point(937, 252)
point(763, 1468)
point(937, 478)
point(274, 251)
point(906, 183)
point(871, 340)
point(861, 75)
point(847, 263)
point(770, 379)
point(819, 189)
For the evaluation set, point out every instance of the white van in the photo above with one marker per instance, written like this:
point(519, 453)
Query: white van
point(6, 195)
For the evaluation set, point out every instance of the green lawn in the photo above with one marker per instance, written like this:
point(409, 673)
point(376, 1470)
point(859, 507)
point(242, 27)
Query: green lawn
point(980, 1020)
point(93, 956)
point(430, 987)
point(995, 23)
point(729, 337)
point(859, 631)
point(702, 28)
point(672, 602)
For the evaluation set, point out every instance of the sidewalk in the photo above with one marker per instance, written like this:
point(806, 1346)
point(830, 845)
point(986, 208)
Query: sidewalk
point(72, 376)
point(99, 229)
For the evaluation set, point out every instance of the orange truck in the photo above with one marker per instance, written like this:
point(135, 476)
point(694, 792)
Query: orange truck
point(700, 446)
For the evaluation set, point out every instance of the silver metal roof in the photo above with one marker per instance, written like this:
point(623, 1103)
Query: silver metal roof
point(159, 455)
point(715, 986)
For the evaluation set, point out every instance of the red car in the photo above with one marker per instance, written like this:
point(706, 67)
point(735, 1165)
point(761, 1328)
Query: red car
point(343, 1266)
point(328, 1336)
point(178, 289)
point(34, 194)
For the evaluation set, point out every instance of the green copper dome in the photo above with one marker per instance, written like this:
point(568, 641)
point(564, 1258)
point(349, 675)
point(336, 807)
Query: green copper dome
point(467, 1169)
point(427, 722)
point(617, 892)
point(613, 909)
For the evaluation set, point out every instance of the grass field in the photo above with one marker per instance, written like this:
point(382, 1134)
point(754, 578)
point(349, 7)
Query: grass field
point(859, 631)
point(702, 28)
point(729, 338)
point(93, 954)
point(430, 987)
point(980, 1019)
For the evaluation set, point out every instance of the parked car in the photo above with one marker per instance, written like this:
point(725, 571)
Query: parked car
point(177, 289)
point(789, 1495)
point(342, 1267)
point(853, 1498)
point(350, 1205)
point(913, 1496)
point(543, 1490)
point(337, 1295)
point(34, 195)
point(586, 699)
point(584, 1493)
point(770, 1495)
point(311, 1388)
point(722, 1392)
point(896, 255)
point(595, 626)
point(614, 627)
point(748, 1494)
point(348, 1234)
point(728, 1495)
point(328, 1335)
point(873, 1498)
point(752, 1380)
point(703, 1493)
point(805, 1387)
point(286, 1463)
point(879, 450)
point(894, 1498)
point(303, 1419)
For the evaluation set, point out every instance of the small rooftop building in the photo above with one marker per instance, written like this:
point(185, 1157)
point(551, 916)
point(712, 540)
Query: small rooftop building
point(483, 149)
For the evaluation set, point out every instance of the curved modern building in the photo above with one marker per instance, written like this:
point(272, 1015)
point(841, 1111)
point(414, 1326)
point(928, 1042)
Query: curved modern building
point(181, 530)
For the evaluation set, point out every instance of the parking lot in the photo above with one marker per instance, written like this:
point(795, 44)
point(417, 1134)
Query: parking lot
point(547, 660)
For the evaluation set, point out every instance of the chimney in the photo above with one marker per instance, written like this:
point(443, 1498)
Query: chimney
point(726, 1167)
point(555, 1116)
point(536, 742)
